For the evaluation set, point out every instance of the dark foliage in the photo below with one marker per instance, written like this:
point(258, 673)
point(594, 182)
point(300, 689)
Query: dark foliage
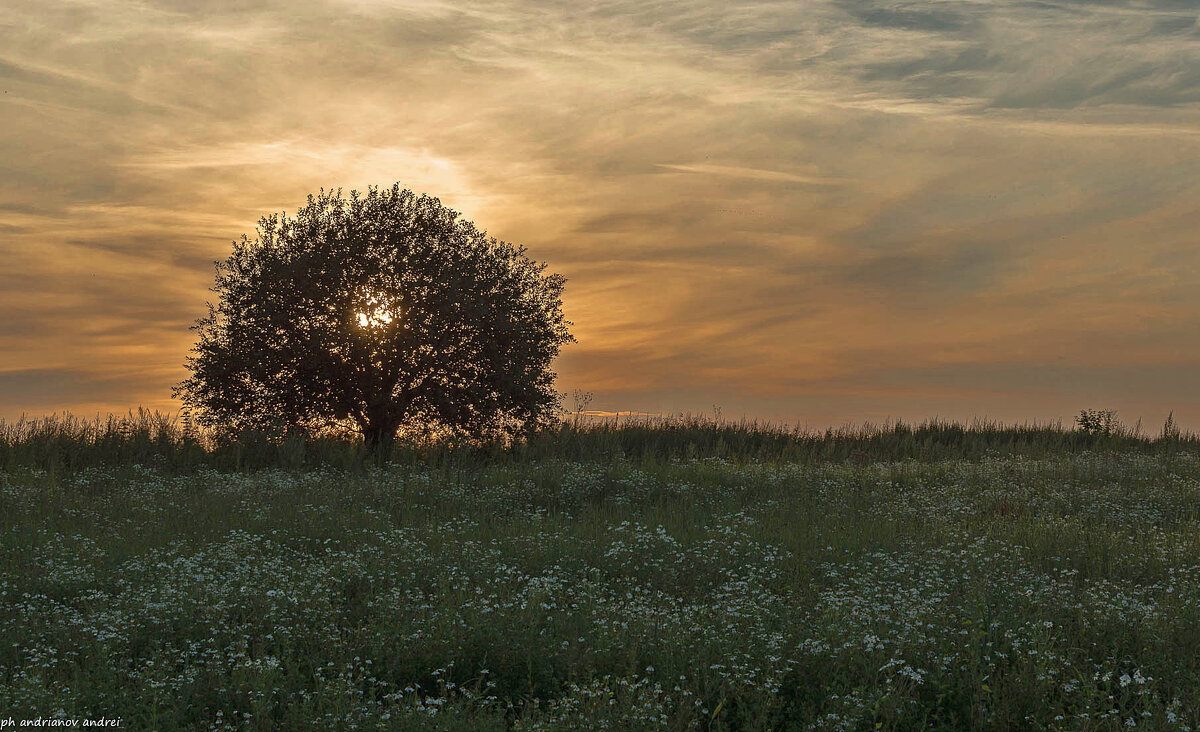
point(382, 314)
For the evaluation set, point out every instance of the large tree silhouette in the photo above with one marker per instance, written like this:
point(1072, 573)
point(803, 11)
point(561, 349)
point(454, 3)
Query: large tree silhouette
point(385, 313)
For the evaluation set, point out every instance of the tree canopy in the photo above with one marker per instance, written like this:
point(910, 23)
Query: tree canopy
point(386, 313)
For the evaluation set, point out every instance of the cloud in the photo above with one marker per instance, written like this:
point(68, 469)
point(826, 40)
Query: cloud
point(754, 174)
point(889, 206)
point(42, 391)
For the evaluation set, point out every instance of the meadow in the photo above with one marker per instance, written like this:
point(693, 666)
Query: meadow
point(673, 575)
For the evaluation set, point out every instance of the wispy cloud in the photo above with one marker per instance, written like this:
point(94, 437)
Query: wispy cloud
point(846, 208)
point(734, 171)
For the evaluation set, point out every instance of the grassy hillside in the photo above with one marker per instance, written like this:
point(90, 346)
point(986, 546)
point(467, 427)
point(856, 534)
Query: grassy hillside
point(693, 576)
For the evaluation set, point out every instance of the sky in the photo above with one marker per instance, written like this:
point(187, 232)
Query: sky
point(822, 212)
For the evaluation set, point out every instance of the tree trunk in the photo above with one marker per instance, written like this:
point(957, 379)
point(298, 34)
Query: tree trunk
point(379, 434)
point(380, 421)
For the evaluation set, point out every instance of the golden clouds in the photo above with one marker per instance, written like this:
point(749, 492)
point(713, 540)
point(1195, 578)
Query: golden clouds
point(836, 210)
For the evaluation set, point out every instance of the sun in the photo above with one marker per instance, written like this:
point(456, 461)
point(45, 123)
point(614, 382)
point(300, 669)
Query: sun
point(375, 319)
point(375, 312)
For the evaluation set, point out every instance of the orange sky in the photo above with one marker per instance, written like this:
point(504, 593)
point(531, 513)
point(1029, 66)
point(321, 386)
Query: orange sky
point(820, 212)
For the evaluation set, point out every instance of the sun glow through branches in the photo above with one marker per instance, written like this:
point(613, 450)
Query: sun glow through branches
point(375, 313)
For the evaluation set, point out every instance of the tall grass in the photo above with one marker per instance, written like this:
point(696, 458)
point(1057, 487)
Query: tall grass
point(932, 440)
point(166, 442)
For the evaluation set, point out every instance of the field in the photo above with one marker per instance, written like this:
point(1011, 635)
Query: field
point(712, 579)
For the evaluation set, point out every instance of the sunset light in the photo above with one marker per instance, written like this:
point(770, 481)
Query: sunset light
point(375, 318)
point(823, 212)
point(600, 365)
point(376, 308)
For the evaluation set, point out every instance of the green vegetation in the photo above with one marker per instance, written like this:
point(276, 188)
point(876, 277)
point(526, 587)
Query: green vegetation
point(67, 444)
point(671, 575)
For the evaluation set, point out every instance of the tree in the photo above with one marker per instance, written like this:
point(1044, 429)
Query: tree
point(384, 313)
